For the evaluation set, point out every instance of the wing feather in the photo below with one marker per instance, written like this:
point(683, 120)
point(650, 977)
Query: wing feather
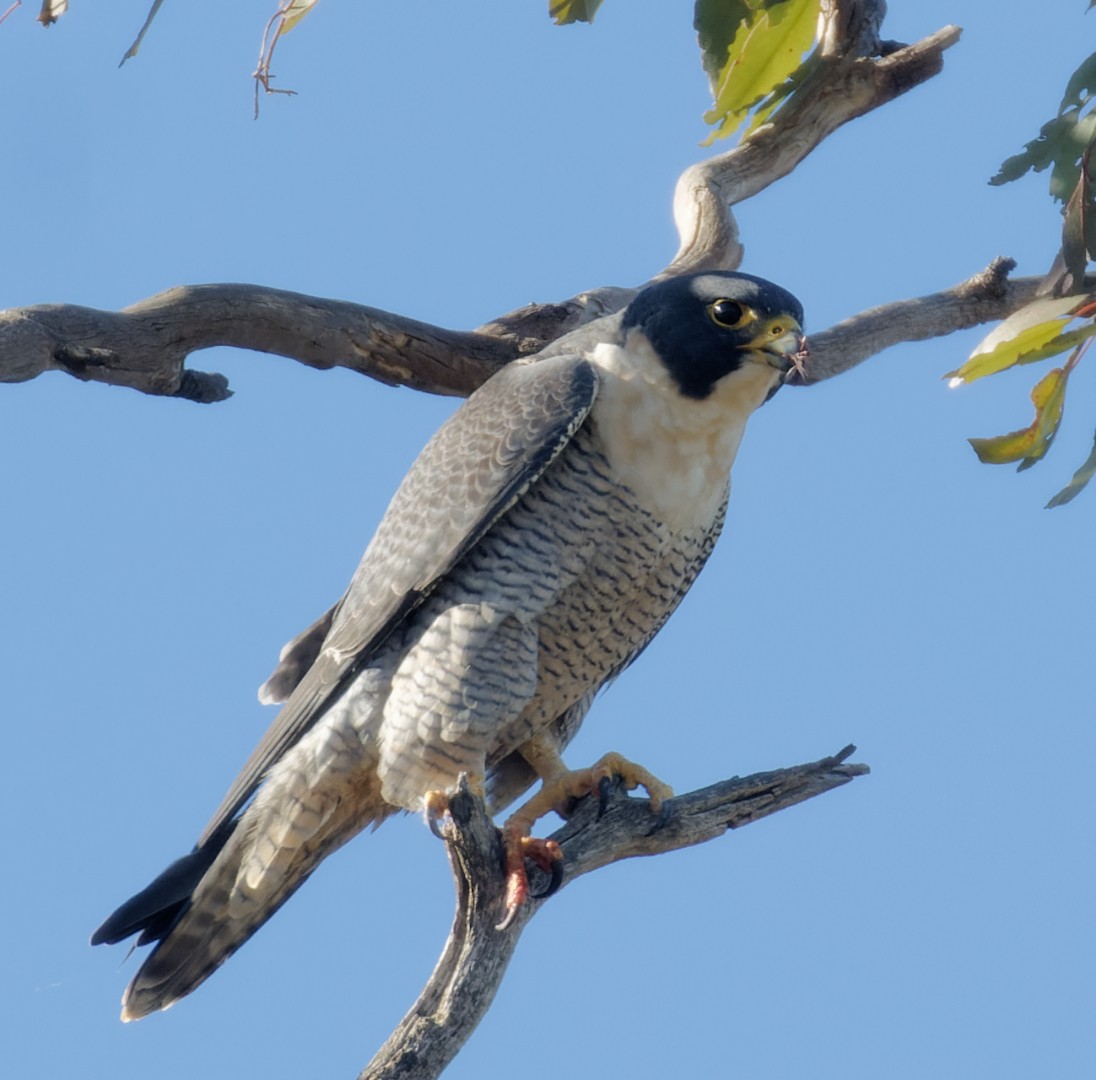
point(471, 472)
point(296, 658)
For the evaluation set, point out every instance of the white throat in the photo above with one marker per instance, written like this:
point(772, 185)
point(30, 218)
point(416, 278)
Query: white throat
point(674, 452)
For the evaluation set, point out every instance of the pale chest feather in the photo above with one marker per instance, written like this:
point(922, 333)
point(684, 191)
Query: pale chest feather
point(674, 452)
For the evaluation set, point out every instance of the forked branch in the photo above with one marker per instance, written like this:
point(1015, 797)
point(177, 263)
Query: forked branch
point(146, 346)
point(475, 957)
point(849, 79)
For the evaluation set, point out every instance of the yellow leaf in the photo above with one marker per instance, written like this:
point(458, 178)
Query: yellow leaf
point(1033, 333)
point(563, 12)
point(293, 12)
point(1030, 444)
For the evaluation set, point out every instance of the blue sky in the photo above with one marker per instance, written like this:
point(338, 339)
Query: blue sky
point(875, 585)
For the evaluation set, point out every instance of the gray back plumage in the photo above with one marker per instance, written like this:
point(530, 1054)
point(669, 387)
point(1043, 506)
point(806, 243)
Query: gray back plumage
point(509, 431)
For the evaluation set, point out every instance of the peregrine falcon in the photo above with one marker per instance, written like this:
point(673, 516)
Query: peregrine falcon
point(539, 542)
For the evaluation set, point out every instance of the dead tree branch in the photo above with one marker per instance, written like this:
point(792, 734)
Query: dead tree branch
point(986, 297)
point(146, 346)
point(849, 79)
point(475, 957)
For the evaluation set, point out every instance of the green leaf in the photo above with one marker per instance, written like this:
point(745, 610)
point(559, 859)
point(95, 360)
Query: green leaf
point(776, 99)
point(1058, 146)
point(767, 48)
point(572, 11)
point(1076, 226)
point(1033, 333)
point(1081, 86)
point(1080, 478)
point(1030, 444)
point(716, 22)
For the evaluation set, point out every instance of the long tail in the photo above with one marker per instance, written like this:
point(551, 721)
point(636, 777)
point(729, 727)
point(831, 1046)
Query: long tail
point(208, 903)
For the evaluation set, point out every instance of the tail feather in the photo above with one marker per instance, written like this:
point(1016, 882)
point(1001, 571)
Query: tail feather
point(202, 915)
point(204, 906)
point(203, 936)
point(157, 907)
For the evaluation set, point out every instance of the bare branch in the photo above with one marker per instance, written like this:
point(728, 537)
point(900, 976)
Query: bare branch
point(986, 297)
point(475, 957)
point(848, 81)
point(145, 346)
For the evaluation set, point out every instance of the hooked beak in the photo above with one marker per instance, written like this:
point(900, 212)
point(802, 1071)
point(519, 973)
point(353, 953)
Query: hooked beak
point(783, 345)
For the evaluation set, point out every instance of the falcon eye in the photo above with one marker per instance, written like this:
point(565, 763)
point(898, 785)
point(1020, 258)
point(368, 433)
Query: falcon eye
point(728, 313)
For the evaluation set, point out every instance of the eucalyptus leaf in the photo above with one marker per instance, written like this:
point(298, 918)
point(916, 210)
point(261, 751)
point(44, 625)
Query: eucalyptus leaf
point(773, 102)
point(1075, 228)
point(1059, 146)
point(767, 48)
point(1081, 86)
point(1030, 444)
point(716, 22)
point(293, 12)
point(572, 11)
point(1033, 333)
point(1080, 478)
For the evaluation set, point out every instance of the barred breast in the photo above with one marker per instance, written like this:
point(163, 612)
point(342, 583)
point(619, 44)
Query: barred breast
point(562, 593)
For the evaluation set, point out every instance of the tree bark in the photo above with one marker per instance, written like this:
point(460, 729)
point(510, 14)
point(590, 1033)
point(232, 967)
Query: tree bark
point(476, 955)
point(145, 346)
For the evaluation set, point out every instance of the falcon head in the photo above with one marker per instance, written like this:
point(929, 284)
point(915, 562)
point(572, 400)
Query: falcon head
point(705, 326)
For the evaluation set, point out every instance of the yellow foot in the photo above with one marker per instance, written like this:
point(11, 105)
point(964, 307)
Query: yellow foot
point(559, 793)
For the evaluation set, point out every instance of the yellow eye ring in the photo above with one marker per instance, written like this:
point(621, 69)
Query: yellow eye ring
point(729, 313)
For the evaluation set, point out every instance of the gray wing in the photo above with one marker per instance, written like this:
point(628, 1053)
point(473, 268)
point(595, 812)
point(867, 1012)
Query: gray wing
point(299, 654)
point(480, 462)
point(296, 658)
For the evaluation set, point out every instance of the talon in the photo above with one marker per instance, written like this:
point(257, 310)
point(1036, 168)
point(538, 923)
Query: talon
point(512, 908)
point(604, 794)
point(632, 776)
point(558, 791)
point(545, 854)
point(554, 882)
point(665, 815)
point(435, 806)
